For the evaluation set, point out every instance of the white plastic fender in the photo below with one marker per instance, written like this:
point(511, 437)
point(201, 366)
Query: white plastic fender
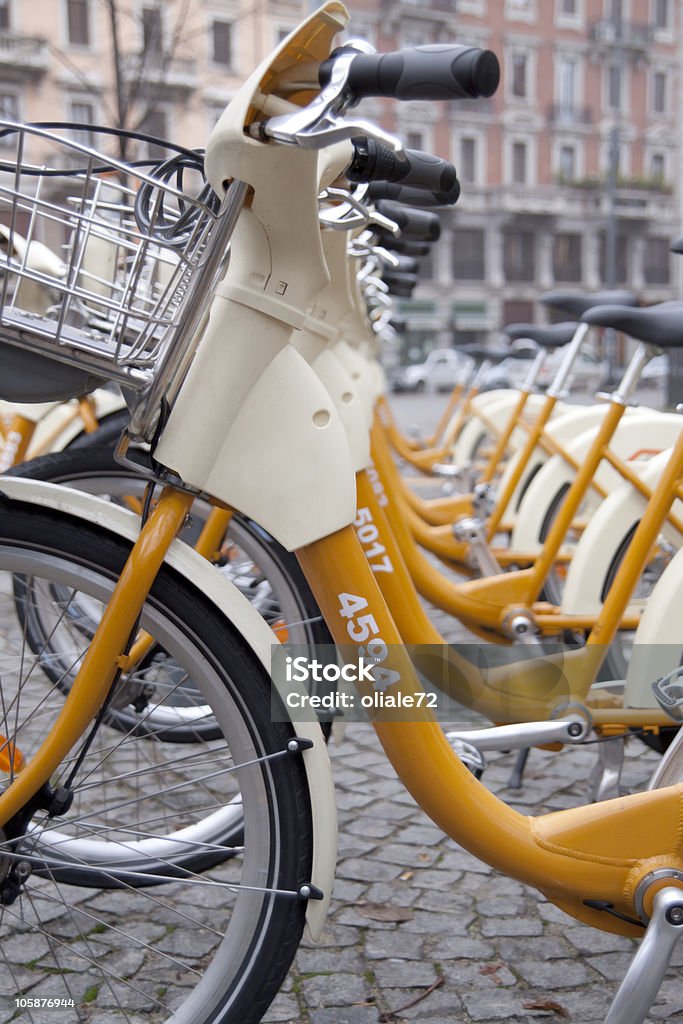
point(572, 421)
point(491, 418)
point(658, 644)
point(647, 432)
point(568, 424)
point(602, 539)
point(235, 607)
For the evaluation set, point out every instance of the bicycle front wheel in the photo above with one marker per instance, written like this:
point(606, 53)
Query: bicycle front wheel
point(146, 816)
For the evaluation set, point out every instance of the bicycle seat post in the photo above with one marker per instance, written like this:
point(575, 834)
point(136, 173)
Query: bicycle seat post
point(558, 386)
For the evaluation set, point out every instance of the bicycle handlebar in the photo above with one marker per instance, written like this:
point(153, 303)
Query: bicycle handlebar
point(399, 284)
point(437, 72)
point(373, 161)
point(418, 225)
point(413, 196)
point(407, 248)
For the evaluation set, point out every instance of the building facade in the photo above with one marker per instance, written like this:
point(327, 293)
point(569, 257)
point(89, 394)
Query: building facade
point(177, 63)
point(581, 80)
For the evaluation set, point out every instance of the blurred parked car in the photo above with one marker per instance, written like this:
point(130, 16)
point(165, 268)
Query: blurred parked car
point(588, 374)
point(440, 371)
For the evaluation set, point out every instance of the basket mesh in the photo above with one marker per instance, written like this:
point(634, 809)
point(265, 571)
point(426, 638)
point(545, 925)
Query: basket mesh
point(97, 256)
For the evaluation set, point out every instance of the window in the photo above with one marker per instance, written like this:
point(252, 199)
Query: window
point(567, 163)
point(614, 87)
point(9, 106)
point(221, 35)
point(657, 261)
point(659, 92)
point(518, 311)
point(658, 166)
point(78, 22)
point(5, 20)
point(519, 75)
point(569, 8)
point(152, 30)
point(467, 169)
point(566, 85)
point(519, 256)
point(567, 257)
point(519, 163)
point(662, 14)
point(415, 140)
point(83, 113)
point(469, 256)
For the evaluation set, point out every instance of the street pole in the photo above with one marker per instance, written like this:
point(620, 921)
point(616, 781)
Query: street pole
point(612, 233)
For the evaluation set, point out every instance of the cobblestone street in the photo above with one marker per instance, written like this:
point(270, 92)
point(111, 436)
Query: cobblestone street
point(417, 920)
point(420, 930)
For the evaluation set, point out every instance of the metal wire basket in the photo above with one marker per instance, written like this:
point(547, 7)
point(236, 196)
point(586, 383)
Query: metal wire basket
point(99, 258)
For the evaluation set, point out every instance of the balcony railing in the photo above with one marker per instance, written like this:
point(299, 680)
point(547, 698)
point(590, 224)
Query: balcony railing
point(632, 35)
point(23, 54)
point(561, 113)
point(423, 6)
point(158, 69)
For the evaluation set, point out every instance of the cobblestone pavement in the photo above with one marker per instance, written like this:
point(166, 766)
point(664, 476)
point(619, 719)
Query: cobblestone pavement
point(420, 930)
point(412, 910)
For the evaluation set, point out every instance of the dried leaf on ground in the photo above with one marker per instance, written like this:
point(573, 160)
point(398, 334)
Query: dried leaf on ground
point(385, 912)
point(550, 1005)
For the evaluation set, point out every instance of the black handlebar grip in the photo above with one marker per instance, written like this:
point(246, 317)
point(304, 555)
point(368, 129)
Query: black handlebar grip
point(392, 277)
point(398, 283)
point(419, 225)
point(413, 196)
point(414, 249)
point(373, 161)
point(402, 291)
point(438, 72)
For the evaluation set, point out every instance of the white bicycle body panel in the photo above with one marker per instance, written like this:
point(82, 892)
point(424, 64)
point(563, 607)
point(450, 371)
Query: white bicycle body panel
point(237, 609)
point(609, 526)
point(250, 408)
point(658, 645)
point(640, 431)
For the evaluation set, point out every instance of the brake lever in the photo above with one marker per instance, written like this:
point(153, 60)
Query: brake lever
point(350, 213)
point(322, 123)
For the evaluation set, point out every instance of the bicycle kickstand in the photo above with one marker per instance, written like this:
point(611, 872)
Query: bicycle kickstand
point(639, 988)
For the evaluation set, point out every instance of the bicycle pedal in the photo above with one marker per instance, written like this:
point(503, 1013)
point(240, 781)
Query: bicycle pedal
point(471, 756)
point(668, 692)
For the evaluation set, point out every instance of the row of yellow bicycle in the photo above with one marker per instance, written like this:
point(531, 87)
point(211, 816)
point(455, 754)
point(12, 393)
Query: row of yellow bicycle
point(261, 495)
